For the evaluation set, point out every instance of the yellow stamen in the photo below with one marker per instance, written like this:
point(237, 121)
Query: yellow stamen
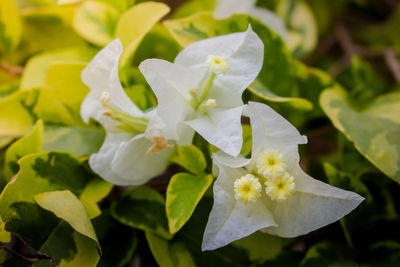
point(159, 144)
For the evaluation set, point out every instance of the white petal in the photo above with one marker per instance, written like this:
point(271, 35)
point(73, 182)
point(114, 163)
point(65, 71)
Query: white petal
point(221, 128)
point(171, 84)
point(313, 205)
point(244, 52)
point(229, 219)
point(134, 164)
point(222, 158)
point(226, 8)
point(271, 130)
point(100, 162)
point(101, 75)
point(271, 20)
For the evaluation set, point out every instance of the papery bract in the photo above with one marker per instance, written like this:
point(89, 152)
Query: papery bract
point(226, 8)
point(291, 203)
point(201, 91)
point(123, 158)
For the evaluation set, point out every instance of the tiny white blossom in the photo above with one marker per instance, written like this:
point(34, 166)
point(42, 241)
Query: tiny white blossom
point(201, 91)
point(127, 156)
point(269, 191)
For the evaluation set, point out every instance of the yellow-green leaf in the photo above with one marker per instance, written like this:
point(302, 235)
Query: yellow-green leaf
point(30, 143)
point(5, 236)
point(169, 255)
point(10, 25)
point(374, 130)
point(142, 208)
point(135, 23)
point(301, 24)
point(96, 22)
point(60, 99)
point(80, 141)
point(95, 191)
point(36, 69)
point(15, 115)
point(67, 207)
point(189, 157)
point(265, 93)
point(183, 193)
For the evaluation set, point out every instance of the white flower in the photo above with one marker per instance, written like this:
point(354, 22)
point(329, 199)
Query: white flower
point(201, 91)
point(287, 203)
point(126, 157)
point(226, 8)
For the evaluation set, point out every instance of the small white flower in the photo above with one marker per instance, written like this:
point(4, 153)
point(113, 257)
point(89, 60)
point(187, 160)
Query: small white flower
point(226, 8)
point(201, 91)
point(254, 194)
point(126, 157)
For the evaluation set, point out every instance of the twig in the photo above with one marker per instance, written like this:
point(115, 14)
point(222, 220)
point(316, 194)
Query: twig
point(393, 63)
point(11, 69)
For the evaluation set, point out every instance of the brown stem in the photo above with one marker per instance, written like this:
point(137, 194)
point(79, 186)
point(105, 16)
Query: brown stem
point(393, 63)
point(11, 69)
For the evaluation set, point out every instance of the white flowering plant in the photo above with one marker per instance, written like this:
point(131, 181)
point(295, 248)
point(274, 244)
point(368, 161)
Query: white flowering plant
point(140, 133)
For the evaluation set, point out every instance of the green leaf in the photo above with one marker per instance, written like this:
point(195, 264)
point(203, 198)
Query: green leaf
point(15, 115)
point(96, 22)
point(158, 43)
point(118, 242)
point(135, 23)
point(96, 190)
point(30, 143)
point(193, 6)
point(80, 141)
point(324, 254)
point(301, 24)
point(189, 157)
point(344, 181)
point(247, 140)
point(142, 208)
point(8, 87)
point(49, 28)
point(42, 230)
point(259, 89)
point(141, 95)
point(60, 99)
point(169, 255)
point(185, 248)
point(5, 236)
point(261, 247)
point(67, 207)
point(36, 69)
point(374, 130)
point(10, 26)
point(40, 173)
point(183, 193)
point(69, 248)
point(380, 35)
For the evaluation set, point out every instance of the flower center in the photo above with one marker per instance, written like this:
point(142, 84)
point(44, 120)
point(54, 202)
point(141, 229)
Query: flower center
point(127, 123)
point(270, 163)
point(199, 98)
point(217, 64)
point(280, 187)
point(247, 188)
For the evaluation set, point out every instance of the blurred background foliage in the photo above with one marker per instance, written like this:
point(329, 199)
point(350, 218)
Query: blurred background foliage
point(336, 79)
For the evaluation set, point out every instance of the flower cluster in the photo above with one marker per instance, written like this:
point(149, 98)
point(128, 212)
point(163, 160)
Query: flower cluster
point(201, 91)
